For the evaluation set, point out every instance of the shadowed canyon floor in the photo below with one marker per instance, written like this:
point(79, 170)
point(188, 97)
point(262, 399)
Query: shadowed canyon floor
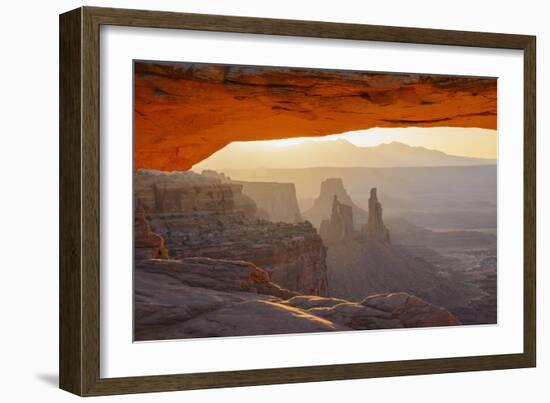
point(363, 262)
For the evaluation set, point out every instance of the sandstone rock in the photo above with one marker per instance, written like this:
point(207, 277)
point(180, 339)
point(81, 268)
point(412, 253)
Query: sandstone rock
point(256, 318)
point(175, 127)
point(339, 227)
point(147, 244)
point(177, 192)
point(411, 311)
point(218, 288)
point(199, 216)
point(365, 262)
point(309, 301)
point(293, 254)
point(386, 302)
point(387, 311)
point(376, 230)
point(199, 297)
point(323, 205)
point(214, 274)
point(203, 297)
point(277, 200)
point(171, 292)
point(358, 317)
point(361, 267)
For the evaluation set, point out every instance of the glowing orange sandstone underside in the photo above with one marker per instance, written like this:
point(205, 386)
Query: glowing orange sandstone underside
point(185, 112)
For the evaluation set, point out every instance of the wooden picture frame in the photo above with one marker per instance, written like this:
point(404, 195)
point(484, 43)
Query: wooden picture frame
point(79, 346)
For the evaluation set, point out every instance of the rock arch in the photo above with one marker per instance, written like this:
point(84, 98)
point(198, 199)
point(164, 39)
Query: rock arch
point(185, 112)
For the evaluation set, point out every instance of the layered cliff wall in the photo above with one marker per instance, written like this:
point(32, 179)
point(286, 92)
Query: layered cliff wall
point(176, 192)
point(202, 216)
point(276, 200)
point(147, 244)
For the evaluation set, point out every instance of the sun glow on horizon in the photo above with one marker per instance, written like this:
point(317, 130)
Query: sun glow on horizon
point(410, 148)
point(464, 142)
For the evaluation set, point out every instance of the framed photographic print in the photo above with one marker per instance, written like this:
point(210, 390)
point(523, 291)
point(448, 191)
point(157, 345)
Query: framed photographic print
point(251, 201)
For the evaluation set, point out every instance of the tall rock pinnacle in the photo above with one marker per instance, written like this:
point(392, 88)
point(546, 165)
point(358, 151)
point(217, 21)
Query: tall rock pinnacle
point(339, 227)
point(376, 230)
point(322, 207)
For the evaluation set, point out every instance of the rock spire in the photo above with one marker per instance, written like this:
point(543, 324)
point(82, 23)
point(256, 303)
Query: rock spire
point(339, 227)
point(376, 230)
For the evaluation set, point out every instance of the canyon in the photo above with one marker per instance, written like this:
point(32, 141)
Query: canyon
point(446, 197)
point(208, 265)
point(364, 262)
point(201, 216)
point(277, 201)
point(457, 270)
point(315, 238)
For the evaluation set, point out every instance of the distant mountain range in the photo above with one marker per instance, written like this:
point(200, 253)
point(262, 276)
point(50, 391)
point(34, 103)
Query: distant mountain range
point(334, 153)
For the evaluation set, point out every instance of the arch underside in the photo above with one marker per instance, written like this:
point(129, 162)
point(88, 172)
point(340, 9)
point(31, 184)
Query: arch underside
point(185, 112)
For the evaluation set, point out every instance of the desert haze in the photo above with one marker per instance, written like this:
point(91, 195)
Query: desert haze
point(268, 200)
point(265, 254)
point(332, 153)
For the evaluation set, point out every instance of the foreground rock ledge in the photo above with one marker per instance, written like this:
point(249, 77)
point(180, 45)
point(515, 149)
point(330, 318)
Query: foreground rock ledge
point(203, 297)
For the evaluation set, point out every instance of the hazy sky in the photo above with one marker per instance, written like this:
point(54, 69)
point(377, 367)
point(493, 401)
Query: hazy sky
point(466, 142)
point(373, 147)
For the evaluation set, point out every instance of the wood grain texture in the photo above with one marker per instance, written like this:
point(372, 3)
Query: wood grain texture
point(315, 29)
point(80, 201)
point(90, 202)
point(530, 203)
point(70, 275)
